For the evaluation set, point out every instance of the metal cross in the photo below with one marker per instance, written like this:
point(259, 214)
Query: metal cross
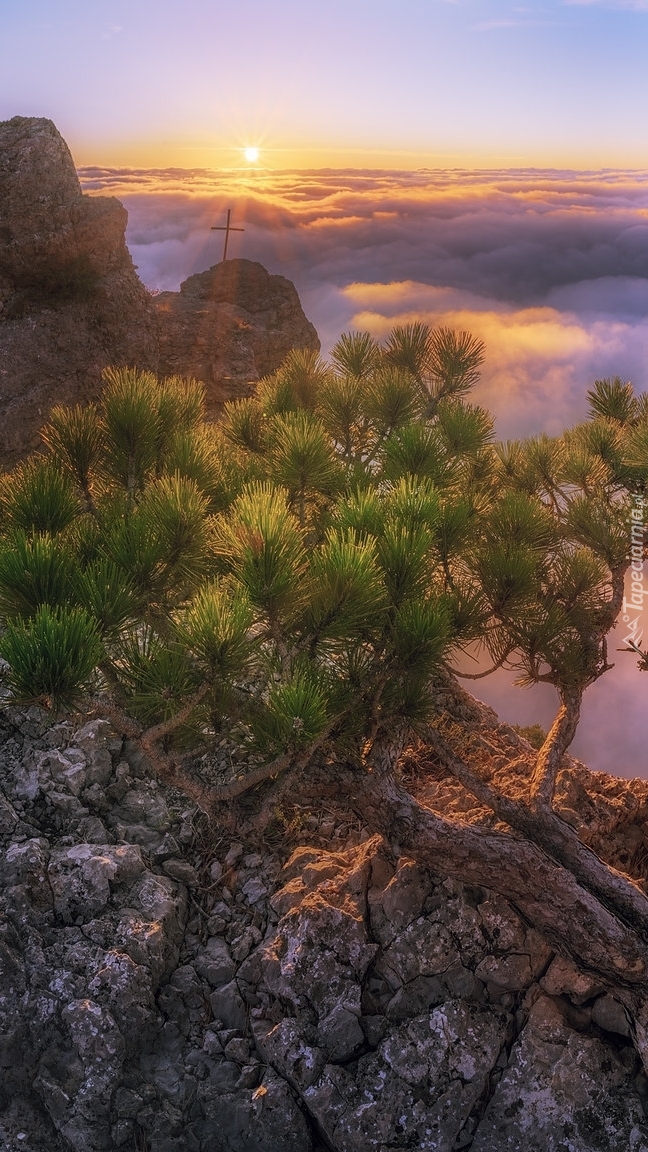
point(226, 228)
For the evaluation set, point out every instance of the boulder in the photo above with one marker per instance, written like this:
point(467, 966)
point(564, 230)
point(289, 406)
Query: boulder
point(229, 326)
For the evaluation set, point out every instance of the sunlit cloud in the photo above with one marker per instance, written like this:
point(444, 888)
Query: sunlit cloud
point(549, 268)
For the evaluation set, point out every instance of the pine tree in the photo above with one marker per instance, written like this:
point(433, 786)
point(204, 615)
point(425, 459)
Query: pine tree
point(302, 580)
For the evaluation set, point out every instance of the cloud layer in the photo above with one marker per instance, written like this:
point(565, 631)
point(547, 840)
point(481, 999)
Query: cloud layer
point(550, 268)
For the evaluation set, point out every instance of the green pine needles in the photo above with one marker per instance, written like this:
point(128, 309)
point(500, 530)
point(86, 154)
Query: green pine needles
point(302, 568)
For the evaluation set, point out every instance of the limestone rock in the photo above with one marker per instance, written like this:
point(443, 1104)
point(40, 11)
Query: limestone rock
point(70, 299)
point(228, 327)
point(550, 1095)
point(361, 1003)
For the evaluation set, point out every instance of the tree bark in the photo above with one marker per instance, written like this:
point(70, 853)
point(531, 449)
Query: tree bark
point(560, 736)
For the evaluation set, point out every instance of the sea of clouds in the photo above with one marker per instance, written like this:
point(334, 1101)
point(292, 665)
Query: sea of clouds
point(550, 268)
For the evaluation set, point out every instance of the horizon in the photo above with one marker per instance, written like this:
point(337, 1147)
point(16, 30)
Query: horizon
point(440, 83)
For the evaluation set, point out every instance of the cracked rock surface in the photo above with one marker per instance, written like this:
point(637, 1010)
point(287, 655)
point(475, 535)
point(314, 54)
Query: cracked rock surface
point(162, 991)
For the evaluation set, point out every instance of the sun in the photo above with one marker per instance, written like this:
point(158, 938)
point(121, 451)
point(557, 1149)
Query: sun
point(251, 155)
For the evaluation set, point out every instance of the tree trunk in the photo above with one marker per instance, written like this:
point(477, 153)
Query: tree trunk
point(560, 736)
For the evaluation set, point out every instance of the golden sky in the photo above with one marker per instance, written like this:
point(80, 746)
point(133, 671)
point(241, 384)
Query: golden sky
point(345, 83)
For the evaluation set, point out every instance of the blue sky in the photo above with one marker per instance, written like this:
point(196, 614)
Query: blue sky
point(377, 82)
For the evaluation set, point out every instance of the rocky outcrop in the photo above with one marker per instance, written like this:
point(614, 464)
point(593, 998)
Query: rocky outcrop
point(229, 326)
point(70, 298)
point(71, 301)
point(162, 991)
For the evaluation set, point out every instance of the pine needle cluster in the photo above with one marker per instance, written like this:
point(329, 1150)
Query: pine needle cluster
point(304, 566)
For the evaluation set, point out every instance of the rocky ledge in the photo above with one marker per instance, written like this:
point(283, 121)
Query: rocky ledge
point(166, 990)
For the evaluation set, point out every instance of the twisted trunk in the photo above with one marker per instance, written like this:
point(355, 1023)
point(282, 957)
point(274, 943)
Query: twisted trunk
point(560, 736)
point(616, 892)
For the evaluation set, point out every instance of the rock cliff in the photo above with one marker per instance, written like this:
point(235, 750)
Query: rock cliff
point(164, 990)
point(70, 298)
point(229, 326)
point(71, 301)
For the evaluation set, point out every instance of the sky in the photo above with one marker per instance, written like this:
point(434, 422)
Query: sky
point(476, 163)
point(388, 83)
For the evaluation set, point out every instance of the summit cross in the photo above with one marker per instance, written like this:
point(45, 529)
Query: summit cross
point(226, 228)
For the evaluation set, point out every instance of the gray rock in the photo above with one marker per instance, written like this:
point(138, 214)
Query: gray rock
point(424, 948)
point(254, 890)
point(418, 1088)
point(394, 907)
point(287, 1049)
point(181, 870)
point(229, 326)
point(214, 962)
point(610, 1015)
point(339, 1033)
point(142, 805)
point(81, 877)
point(98, 742)
point(67, 769)
point(551, 1097)
point(228, 1006)
point(563, 978)
point(263, 1119)
point(506, 973)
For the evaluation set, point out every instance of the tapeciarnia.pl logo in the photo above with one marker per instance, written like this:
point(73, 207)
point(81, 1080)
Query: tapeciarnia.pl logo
point(633, 605)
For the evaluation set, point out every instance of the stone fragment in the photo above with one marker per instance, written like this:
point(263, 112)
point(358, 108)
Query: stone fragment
point(400, 902)
point(67, 769)
point(285, 1047)
point(181, 870)
point(234, 853)
point(610, 1015)
point(214, 962)
point(564, 979)
point(503, 927)
point(340, 1034)
point(142, 805)
point(506, 973)
point(254, 890)
point(228, 1006)
point(424, 948)
point(97, 741)
point(81, 876)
